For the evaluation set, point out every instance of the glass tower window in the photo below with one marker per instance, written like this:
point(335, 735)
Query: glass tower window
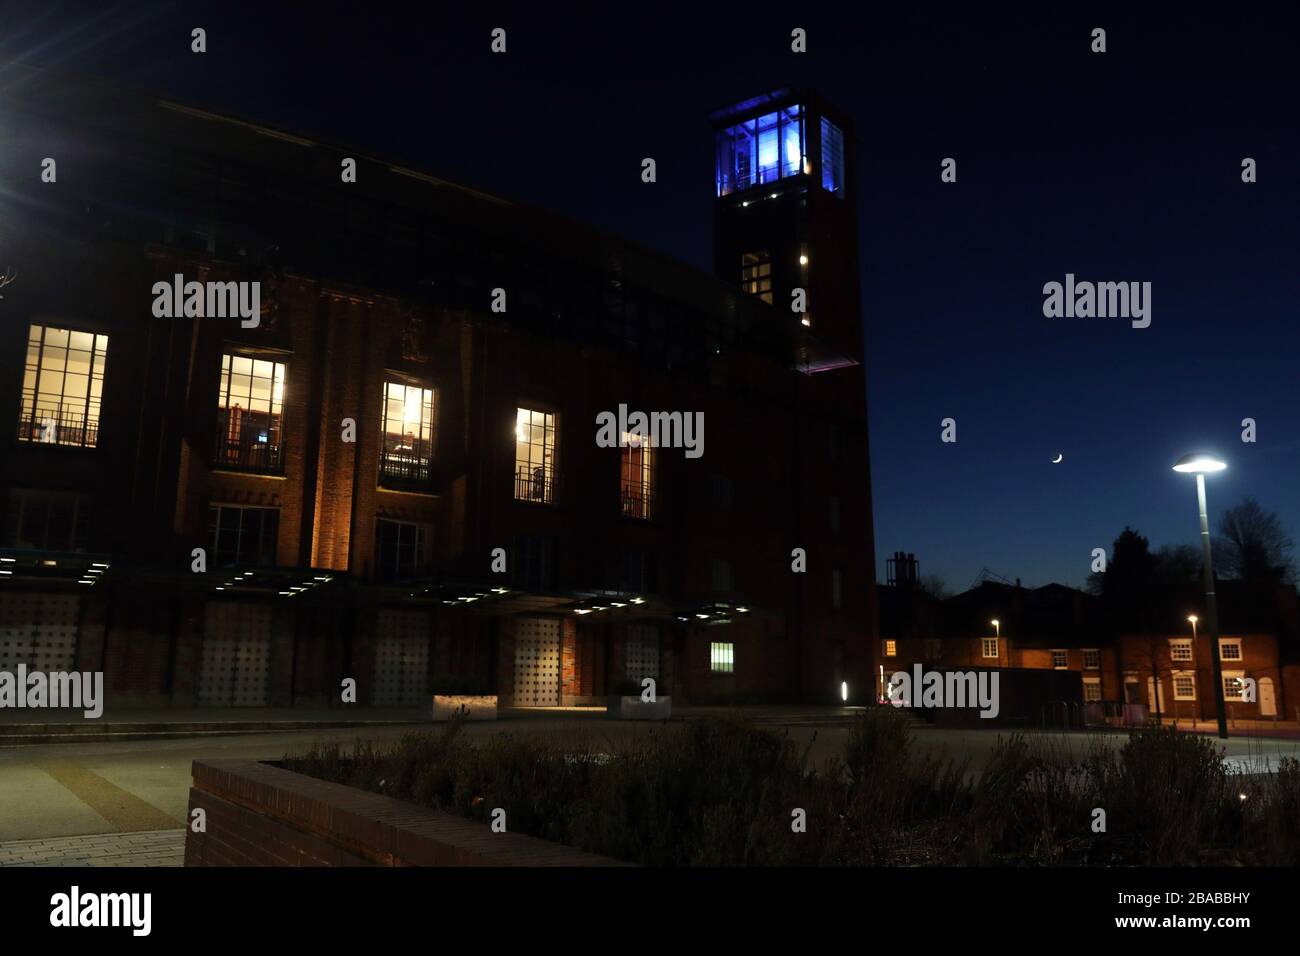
point(832, 158)
point(762, 150)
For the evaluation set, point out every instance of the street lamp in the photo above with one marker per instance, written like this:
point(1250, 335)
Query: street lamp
point(1200, 464)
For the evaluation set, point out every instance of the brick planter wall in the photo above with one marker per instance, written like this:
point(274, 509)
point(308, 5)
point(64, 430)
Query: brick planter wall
point(261, 815)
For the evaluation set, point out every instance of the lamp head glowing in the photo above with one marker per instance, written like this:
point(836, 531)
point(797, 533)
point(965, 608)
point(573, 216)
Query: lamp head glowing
point(1199, 463)
point(994, 622)
point(1193, 618)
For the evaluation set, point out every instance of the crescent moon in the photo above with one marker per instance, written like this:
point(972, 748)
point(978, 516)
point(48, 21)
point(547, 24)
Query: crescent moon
point(1059, 458)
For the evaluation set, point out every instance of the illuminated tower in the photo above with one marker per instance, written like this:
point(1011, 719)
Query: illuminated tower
point(785, 220)
point(785, 215)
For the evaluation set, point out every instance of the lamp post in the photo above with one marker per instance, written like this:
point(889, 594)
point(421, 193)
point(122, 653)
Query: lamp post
point(1193, 618)
point(1200, 465)
point(997, 630)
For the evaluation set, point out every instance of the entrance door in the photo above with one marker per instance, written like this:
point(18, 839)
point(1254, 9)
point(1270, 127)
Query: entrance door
point(402, 658)
point(39, 630)
point(537, 662)
point(1152, 689)
point(1267, 700)
point(236, 666)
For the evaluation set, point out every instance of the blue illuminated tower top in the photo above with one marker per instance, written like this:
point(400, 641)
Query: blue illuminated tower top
point(785, 218)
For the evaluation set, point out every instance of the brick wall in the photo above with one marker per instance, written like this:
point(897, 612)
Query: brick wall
point(260, 815)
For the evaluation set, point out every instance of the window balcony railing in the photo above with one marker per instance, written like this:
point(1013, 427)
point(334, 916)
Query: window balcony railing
point(249, 446)
point(639, 503)
point(405, 463)
point(58, 425)
point(534, 485)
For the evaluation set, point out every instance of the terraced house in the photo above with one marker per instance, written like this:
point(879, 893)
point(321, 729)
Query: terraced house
point(1121, 673)
point(393, 474)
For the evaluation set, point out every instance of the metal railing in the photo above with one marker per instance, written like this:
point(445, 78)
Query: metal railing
point(58, 425)
point(405, 463)
point(535, 485)
point(254, 446)
point(639, 503)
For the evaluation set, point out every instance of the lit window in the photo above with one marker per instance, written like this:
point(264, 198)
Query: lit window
point(1233, 685)
point(637, 477)
point(1060, 660)
point(243, 536)
point(761, 150)
point(534, 456)
point(1184, 686)
point(46, 520)
point(408, 433)
point(250, 413)
point(832, 158)
point(890, 648)
point(62, 385)
point(722, 658)
point(1091, 688)
point(756, 274)
point(1229, 650)
point(1180, 650)
point(1091, 658)
point(989, 646)
point(399, 548)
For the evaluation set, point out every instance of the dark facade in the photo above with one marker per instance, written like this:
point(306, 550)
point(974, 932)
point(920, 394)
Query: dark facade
point(394, 475)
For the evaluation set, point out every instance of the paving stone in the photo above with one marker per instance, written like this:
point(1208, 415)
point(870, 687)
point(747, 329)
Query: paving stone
point(158, 848)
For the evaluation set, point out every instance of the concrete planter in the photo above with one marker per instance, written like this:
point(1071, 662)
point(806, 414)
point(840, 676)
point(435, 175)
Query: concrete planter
point(471, 706)
point(634, 708)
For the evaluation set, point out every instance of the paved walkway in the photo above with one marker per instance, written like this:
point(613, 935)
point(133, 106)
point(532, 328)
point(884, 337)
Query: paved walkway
point(196, 715)
point(146, 848)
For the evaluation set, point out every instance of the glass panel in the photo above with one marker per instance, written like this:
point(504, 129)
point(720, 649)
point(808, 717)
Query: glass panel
point(832, 158)
point(768, 148)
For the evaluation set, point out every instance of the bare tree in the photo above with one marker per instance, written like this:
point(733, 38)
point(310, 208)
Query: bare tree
point(7, 277)
point(1253, 545)
point(935, 586)
point(1151, 659)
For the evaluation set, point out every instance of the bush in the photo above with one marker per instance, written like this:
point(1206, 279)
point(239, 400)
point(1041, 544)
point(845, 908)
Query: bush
point(723, 793)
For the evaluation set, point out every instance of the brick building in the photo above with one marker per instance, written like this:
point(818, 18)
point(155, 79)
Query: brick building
point(1055, 627)
point(393, 475)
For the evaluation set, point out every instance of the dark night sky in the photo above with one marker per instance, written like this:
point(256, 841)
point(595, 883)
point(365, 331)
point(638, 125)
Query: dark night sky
point(1121, 166)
